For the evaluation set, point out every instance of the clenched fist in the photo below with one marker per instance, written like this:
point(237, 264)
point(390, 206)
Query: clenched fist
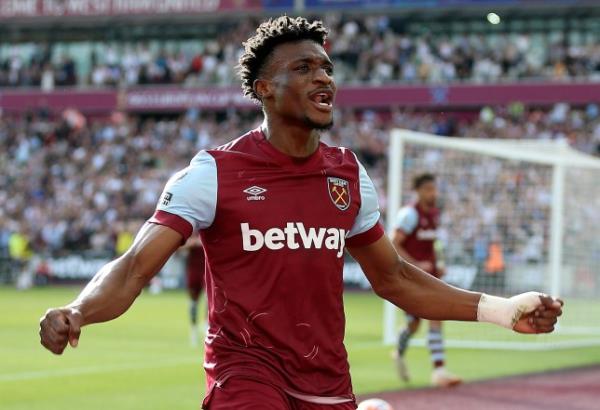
point(59, 327)
point(530, 312)
point(540, 319)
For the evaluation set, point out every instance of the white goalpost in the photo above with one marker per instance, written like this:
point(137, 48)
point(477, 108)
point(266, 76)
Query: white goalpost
point(517, 215)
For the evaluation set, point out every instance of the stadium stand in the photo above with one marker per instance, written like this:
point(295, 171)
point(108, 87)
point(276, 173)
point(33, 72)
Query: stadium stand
point(67, 183)
point(373, 50)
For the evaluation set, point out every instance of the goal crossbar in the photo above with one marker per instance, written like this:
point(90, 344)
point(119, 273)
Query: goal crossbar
point(537, 151)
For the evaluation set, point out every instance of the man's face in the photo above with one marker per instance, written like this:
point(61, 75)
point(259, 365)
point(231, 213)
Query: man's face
point(300, 84)
point(427, 193)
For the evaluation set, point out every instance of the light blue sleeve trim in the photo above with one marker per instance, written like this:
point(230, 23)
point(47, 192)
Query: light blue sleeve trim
point(192, 192)
point(368, 214)
point(407, 219)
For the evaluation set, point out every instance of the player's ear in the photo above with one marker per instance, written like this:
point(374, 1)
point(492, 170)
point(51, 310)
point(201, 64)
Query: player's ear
point(263, 88)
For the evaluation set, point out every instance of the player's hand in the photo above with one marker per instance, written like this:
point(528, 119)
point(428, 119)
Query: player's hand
point(541, 318)
point(59, 327)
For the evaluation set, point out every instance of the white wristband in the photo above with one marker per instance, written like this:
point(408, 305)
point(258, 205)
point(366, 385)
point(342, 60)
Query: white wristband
point(494, 309)
point(506, 312)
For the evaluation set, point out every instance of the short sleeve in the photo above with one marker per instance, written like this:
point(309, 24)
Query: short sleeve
point(366, 228)
point(189, 199)
point(407, 219)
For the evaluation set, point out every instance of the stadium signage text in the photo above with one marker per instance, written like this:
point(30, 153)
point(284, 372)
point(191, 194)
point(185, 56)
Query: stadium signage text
point(77, 268)
point(181, 98)
point(157, 99)
point(60, 8)
point(168, 98)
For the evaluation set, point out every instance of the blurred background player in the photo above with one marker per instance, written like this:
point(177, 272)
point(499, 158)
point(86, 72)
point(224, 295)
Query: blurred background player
point(414, 239)
point(194, 268)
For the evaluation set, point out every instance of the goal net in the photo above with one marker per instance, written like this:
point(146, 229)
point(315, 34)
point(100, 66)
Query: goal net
point(517, 215)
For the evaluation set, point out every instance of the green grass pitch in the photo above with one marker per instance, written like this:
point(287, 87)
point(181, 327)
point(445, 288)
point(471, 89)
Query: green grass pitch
point(144, 361)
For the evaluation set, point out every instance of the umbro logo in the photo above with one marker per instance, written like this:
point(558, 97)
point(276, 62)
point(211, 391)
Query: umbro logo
point(255, 193)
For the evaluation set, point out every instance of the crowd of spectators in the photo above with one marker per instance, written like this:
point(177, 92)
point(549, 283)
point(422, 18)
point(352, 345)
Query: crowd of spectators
point(39, 69)
point(367, 50)
point(73, 184)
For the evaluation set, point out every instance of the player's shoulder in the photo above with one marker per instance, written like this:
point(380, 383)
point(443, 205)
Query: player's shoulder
point(334, 149)
point(407, 218)
point(408, 210)
point(339, 155)
point(200, 161)
point(202, 167)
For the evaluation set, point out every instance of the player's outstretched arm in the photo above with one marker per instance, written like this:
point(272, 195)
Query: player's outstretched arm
point(422, 295)
point(112, 290)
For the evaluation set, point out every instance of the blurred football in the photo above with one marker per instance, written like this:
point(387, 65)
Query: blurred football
point(374, 404)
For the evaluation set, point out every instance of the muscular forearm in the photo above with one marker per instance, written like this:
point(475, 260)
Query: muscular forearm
point(424, 296)
point(111, 292)
point(117, 284)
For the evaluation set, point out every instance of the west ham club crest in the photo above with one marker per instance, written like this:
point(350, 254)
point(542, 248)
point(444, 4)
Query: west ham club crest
point(339, 192)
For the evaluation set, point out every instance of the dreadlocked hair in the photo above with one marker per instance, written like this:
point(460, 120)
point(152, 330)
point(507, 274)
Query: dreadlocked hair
point(271, 33)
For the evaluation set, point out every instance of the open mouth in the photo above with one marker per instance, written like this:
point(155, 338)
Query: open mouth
point(323, 99)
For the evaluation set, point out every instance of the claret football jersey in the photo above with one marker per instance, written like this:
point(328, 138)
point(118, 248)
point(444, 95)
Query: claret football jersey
point(274, 229)
point(420, 228)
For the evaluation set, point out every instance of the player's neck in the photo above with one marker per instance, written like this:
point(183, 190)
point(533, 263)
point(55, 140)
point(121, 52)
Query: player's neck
point(295, 141)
